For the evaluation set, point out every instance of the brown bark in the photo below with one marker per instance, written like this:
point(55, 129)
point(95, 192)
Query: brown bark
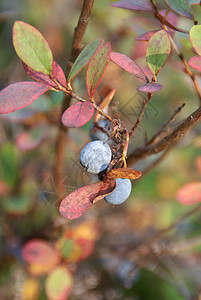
point(175, 136)
point(76, 48)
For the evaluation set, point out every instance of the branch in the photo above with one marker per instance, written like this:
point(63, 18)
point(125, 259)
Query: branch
point(76, 48)
point(145, 102)
point(175, 136)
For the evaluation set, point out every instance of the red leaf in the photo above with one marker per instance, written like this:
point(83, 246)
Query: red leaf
point(30, 140)
point(190, 193)
point(195, 63)
point(20, 94)
point(124, 173)
point(128, 65)
point(57, 72)
point(145, 37)
point(79, 201)
point(78, 114)
point(97, 68)
point(40, 252)
point(150, 88)
point(136, 5)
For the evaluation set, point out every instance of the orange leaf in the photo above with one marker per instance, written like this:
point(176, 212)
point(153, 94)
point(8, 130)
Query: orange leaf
point(124, 173)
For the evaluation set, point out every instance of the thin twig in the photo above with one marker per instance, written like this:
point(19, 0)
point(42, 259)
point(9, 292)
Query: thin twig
point(145, 102)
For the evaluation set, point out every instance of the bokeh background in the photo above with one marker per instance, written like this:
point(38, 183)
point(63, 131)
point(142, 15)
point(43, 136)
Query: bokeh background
point(98, 249)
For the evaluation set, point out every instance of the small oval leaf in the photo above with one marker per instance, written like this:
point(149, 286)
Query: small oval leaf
point(84, 57)
point(181, 7)
point(20, 94)
point(135, 5)
point(58, 284)
point(195, 63)
point(78, 202)
point(128, 65)
point(150, 88)
point(124, 173)
point(78, 114)
point(190, 193)
point(195, 38)
point(158, 50)
point(40, 252)
point(97, 68)
point(32, 48)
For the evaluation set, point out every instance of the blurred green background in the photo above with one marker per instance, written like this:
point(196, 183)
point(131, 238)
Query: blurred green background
point(27, 191)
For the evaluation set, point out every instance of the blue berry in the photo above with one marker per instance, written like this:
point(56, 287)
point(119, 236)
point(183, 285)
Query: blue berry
point(95, 156)
point(121, 192)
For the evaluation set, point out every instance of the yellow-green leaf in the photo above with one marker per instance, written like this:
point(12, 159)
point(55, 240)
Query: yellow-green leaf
point(58, 284)
point(32, 48)
point(158, 50)
point(195, 37)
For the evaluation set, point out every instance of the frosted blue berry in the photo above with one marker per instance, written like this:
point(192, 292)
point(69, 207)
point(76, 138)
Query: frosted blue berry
point(95, 156)
point(121, 192)
point(97, 134)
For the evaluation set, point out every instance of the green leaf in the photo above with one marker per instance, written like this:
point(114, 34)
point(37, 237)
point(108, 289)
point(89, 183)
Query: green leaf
point(32, 48)
point(181, 7)
point(8, 165)
point(58, 284)
point(158, 50)
point(18, 205)
point(97, 67)
point(84, 57)
point(195, 38)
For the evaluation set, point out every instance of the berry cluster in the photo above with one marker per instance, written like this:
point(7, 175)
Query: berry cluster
point(96, 157)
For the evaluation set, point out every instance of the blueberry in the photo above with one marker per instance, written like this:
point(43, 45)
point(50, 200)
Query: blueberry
point(121, 192)
point(97, 134)
point(95, 156)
